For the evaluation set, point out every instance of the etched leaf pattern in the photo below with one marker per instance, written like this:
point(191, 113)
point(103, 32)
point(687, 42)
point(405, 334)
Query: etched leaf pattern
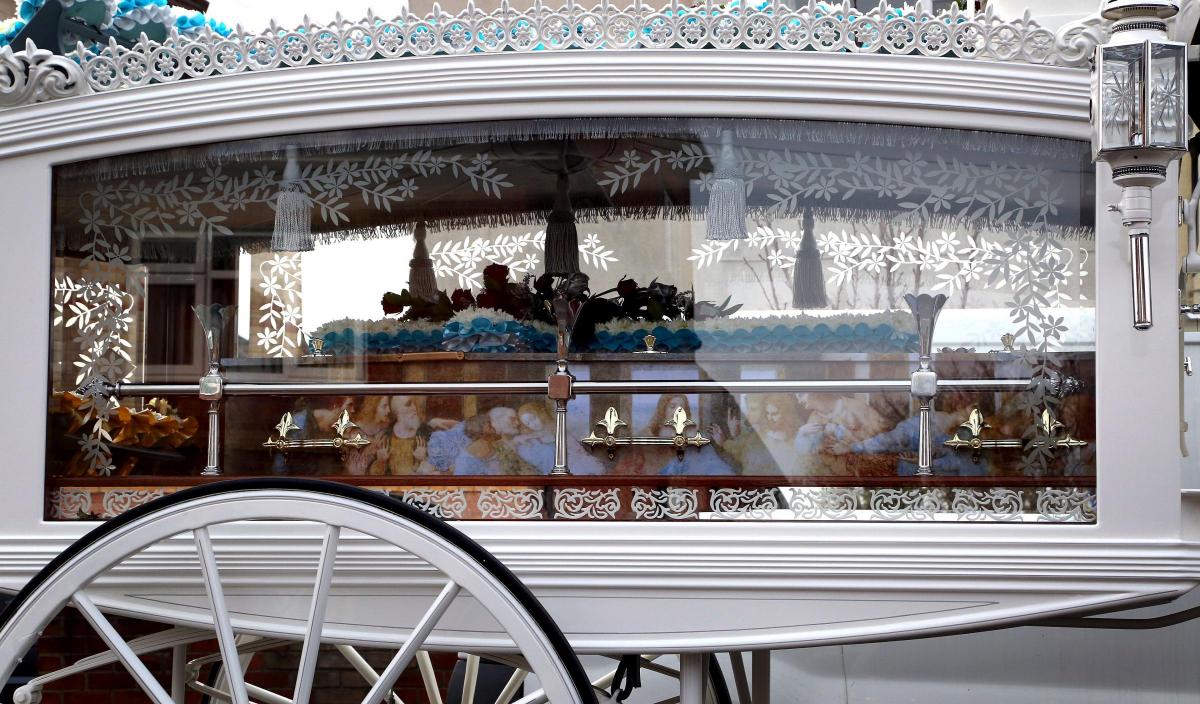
point(463, 259)
point(280, 332)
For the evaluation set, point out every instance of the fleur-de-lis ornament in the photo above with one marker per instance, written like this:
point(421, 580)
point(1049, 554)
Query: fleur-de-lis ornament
point(285, 425)
point(679, 421)
point(611, 421)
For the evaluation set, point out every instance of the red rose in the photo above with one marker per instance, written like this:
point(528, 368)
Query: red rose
point(461, 299)
point(487, 299)
point(626, 288)
point(392, 303)
point(545, 285)
point(495, 276)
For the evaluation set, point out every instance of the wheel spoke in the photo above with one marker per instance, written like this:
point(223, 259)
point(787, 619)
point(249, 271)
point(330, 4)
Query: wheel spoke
point(510, 689)
point(421, 631)
point(364, 668)
point(179, 674)
point(316, 618)
point(470, 678)
point(736, 659)
point(428, 677)
point(216, 596)
point(266, 696)
point(539, 696)
point(121, 649)
point(760, 676)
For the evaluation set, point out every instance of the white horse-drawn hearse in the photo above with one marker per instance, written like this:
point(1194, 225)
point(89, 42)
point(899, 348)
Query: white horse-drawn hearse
point(527, 335)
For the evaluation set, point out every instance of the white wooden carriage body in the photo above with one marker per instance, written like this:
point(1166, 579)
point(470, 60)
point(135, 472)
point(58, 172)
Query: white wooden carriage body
point(660, 587)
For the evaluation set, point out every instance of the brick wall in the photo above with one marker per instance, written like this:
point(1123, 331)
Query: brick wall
point(69, 638)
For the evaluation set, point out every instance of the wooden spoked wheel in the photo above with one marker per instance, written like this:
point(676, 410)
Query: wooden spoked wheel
point(338, 512)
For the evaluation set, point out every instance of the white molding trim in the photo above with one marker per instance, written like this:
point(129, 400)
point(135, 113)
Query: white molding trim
point(1018, 98)
point(803, 593)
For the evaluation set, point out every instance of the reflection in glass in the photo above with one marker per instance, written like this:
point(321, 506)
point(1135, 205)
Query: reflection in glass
point(744, 249)
point(1121, 103)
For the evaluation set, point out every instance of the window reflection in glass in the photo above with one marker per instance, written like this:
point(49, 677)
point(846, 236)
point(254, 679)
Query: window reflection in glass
point(435, 251)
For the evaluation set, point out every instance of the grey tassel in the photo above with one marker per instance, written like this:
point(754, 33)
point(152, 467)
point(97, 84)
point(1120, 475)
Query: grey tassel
point(727, 194)
point(293, 211)
point(562, 238)
point(421, 280)
point(808, 280)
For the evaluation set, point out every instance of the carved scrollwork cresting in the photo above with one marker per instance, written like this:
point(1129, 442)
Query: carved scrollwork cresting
point(511, 504)
point(811, 27)
point(34, 75)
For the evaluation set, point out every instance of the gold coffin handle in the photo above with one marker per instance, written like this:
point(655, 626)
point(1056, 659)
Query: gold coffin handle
point(1049, 431)
point(347, 435)
point(611, 423)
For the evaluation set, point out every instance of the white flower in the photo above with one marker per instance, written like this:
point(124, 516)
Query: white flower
point(779, 260)
point(407, 188)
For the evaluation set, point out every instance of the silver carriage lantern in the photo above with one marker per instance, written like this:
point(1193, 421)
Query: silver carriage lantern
point(1139, 122)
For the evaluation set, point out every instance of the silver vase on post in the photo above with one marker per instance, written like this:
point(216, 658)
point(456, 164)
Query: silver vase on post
point(923, 387)
point(214, 319)
point(559, 385)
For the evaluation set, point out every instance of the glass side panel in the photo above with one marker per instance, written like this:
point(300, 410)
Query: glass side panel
point(733, 296)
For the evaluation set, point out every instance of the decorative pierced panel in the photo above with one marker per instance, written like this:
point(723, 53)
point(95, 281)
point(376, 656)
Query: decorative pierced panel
point(740, 335)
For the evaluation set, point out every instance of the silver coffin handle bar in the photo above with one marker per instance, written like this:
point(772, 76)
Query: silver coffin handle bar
point(125, 390)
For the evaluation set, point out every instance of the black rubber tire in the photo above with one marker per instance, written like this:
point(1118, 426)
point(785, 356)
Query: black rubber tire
point(401, 509)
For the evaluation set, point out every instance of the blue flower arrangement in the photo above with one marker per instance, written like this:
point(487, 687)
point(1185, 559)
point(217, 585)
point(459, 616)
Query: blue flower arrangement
point(780, 337)
point(489, 334)
point(350, 341)
point(192, 24)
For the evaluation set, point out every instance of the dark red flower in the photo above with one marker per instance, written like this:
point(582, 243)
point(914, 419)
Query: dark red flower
point(461, 299)
point(495, 276)
point(488, 299)
point(626, 288)
point(393, 303)
point(545, 285)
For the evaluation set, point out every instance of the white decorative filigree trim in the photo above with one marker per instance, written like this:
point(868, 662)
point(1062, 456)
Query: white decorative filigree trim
point(34, 75)
point(824, 503)
point(744, 504)
point(669, 503)
point(987, 504)
point(903, 504)
point(906, 504)
point(447, 504)
point(118, 501)
point(1067, 505)
point(589, 504)
point(813, 27)
point(511, 504)
point(70, 504)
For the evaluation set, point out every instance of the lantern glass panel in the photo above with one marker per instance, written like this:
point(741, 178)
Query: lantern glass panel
point(1167, 66)
point(1121, 86)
